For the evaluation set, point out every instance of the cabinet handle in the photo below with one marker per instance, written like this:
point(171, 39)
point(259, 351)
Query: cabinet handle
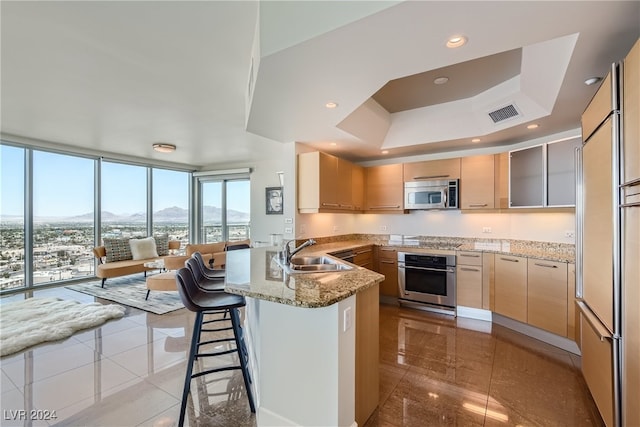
point(510, 260)
point(546, 265)
point(431, 177)
point(388, 249)
point(331, 204)
point(387, 262)
point(385, 207)
point(468, 269)
point(346, 206)
point(470, 256)
point(478, 205)
point(363, 252)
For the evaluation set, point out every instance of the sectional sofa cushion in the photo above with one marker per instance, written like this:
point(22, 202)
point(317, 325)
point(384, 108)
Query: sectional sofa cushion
point(117, 249)
point(162, 244)
point(143, 248)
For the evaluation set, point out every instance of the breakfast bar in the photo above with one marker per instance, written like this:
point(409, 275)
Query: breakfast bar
point(305, 332)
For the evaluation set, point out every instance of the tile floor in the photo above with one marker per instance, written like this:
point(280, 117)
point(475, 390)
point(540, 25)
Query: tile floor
point(434, 371)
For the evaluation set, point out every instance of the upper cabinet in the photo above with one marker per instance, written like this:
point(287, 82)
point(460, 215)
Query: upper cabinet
point(631, 113)
point(483, 182)
point(432, 169)
point(326, 184)
point(384, 188)
point(544, 175)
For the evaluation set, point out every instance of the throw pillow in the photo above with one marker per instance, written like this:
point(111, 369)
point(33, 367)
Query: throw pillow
point(117, 249)
point(162, 244)
point(143, 248)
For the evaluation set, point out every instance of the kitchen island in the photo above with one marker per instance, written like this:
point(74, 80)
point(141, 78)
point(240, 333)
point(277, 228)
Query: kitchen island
point(305, 332)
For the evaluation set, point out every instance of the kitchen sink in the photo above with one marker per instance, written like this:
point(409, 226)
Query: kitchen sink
point(314, 264)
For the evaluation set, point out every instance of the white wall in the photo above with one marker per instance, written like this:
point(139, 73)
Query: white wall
point(545, 227)
point(281, 157)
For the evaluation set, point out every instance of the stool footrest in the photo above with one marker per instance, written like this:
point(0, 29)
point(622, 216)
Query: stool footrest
point(226, 368)
point(219, 353)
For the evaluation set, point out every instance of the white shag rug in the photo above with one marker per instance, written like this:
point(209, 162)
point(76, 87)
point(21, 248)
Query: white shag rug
point(36, 320)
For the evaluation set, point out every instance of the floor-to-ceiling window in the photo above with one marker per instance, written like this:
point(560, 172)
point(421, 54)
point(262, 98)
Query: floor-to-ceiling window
point(12, 224)
point(171, 204)
point(63, 216)
point(49, 203)
point(124, 200)
point(224, 203)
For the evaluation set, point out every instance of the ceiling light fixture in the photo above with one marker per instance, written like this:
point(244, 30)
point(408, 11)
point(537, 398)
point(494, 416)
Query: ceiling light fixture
point(532, 126)
point(164, 148)
point(331, 104)
point(385, 151)
point(592, 80)
point(333, 144)
point(456, 41)
point(475, 140)
point(441, 80)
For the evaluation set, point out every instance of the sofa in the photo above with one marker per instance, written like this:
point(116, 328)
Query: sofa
point(118, 258)
point(213, 253)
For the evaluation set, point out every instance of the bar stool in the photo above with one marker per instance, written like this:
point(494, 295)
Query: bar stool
point(201, 302)
point(209, 273)
point(202, 281)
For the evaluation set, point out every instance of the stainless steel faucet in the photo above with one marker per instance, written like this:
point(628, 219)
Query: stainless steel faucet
point(288, 254)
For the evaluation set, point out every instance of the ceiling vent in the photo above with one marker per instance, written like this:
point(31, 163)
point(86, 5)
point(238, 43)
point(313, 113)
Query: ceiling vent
point(504, 113)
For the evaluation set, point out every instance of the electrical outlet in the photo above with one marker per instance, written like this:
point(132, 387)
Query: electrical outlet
point(288, 230)
point(569, 234)
point(383, 228)
point(288, 220)
point(486, 229)
point(336, 228)
point(347, 319)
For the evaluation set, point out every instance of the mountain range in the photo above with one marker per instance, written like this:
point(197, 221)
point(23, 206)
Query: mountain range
point(174, 214)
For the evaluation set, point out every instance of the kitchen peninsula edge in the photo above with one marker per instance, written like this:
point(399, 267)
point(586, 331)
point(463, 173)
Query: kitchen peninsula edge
point(305, 332)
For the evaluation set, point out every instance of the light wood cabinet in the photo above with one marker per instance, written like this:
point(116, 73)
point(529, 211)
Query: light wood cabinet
point(357, 187)
point(631, 113)
point(367, 383)
point(547, 295)
point(510, 285)
point(388, 266)
point(571, 301)
point(326, 184)
point(469, 290)
point(477, 182)
point(363, 257)
point(384, 188)
point(432, 169)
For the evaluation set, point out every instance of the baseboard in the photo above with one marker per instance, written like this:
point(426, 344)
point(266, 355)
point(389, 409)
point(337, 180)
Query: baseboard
point(533, 332)
point(266, 417)
point(474, 313)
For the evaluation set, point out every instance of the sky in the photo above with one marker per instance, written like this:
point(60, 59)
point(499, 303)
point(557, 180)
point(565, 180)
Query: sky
point(63, 186)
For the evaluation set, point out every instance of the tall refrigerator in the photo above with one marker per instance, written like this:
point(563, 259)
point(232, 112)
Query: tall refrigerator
point(608, 258)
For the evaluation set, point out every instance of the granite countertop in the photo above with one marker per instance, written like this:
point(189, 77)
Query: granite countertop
point(559, 252)
point(255, 273)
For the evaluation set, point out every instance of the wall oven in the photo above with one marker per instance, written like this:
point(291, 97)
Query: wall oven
point(428, 279)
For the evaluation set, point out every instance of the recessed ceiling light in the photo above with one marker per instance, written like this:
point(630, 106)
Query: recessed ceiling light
point(456, 41)
point(441, 80)
point(164, 148)
point(385, 151)
point(532, 126)
point(475, 140)
point(592, 80)
point(333, 144)
point(331, 104)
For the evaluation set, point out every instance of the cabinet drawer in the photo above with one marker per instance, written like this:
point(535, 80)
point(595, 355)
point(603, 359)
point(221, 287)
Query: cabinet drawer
point(547, 295)
point(363, 256)
point(469, 258)
point(388, 252)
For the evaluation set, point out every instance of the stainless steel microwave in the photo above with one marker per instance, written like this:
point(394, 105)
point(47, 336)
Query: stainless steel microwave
point(431, 194)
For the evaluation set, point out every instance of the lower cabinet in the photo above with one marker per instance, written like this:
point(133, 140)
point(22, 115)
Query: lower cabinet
point(367, 354)
point(363, 257)
point(510, 294)
point(469, 279)
point(547, 295)
point(388, 266)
